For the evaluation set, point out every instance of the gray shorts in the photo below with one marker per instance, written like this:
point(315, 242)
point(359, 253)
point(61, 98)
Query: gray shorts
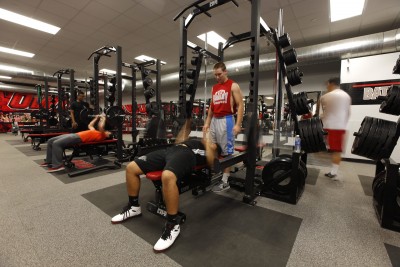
point(221, 133)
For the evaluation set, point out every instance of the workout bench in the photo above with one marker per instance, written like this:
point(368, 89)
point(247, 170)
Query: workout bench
point(38, 139)
point(90, 149)
point(198, 181)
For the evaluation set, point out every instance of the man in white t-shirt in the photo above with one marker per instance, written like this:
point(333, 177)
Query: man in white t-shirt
point(335, 106)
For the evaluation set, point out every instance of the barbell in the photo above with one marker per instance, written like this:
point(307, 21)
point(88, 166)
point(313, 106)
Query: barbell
point(115, 116)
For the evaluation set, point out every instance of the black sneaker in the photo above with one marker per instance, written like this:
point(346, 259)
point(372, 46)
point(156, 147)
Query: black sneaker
point(170, 233)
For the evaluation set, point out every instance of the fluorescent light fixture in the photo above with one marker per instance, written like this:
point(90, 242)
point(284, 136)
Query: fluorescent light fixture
point(28, 22)
point(213, 38)
point(188, 19)
point(5, 77)
point(262, 22)
point(15, 52)
point(269, 97)
point(107, 71)
point(145, 58)
point(10, 68)
point(343, 9)
point(190, 44)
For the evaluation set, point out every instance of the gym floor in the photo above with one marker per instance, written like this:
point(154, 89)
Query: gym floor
point(47, 222)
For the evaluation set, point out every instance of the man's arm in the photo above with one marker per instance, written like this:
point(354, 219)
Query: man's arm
point(207, 123)
point(238, 98)
point(72, 115)
point(93, 122)
point(184, 132)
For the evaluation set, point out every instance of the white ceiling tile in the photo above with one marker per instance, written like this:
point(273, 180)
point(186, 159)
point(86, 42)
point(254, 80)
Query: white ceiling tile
point(78, 4)
point(126, 23)
point(58, 8)
point(120, 5)
point(141, 14)
point(101, 11)
point(160, 7)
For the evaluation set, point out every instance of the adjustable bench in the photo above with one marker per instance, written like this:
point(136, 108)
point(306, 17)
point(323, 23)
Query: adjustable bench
point(91, 149)
point(39, 138)
point(198, 181)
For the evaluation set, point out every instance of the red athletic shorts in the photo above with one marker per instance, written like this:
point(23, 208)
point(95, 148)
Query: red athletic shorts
point(335, 139)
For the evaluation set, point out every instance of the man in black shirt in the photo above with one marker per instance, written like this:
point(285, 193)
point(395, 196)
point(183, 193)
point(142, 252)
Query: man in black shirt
point(176, 161)
point(75, 111)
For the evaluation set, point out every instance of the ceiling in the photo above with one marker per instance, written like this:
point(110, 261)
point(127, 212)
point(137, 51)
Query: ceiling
point(147, 27)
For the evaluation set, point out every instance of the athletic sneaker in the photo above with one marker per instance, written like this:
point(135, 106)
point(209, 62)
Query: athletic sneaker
point(220, 187)
point(170, 233)
point(44, 164)
point(330, 175)
point(127, 212)
point(56, 169)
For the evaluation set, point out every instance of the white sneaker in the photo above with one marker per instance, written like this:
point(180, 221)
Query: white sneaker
point(171, 232)
point(128, 212)
point(220, 187)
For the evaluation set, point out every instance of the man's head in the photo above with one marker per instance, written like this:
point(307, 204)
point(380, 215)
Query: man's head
point(80, 95)
point(220, 72)
point(333, 83)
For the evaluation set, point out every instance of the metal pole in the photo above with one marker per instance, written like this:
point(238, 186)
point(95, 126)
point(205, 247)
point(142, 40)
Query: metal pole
point(119, 99)
point(205, 81)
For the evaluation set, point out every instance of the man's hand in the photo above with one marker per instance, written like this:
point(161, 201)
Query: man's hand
point(205, 128)
point(74, 125)
point(236, 129)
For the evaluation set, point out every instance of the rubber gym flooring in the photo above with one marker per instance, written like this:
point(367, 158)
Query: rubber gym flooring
point(46, 221)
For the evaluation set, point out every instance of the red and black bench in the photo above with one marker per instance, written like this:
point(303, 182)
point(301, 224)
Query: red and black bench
point(197, 181)
point(91, 149)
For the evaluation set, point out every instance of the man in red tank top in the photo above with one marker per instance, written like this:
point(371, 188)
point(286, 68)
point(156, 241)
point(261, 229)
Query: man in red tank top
point(226, 101)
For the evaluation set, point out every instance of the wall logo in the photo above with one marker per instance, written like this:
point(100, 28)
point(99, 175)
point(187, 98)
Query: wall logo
point(366, 93)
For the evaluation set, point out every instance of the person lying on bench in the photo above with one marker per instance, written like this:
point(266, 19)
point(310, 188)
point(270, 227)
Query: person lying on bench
point(176, 161)
point(56, 145)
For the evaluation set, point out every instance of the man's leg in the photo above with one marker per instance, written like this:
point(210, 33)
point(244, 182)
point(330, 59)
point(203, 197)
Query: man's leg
point(171, 199)
point(133, 209)
point(49, 151)
point(58, 147)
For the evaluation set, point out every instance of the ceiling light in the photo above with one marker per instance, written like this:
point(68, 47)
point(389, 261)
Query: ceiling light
point(107, 71)
point(190, 44)
point(145, 58)
point(213, 38)
point(5, 86)
point(262, 22)
point(10, 68)
point(269, 97)
point(28, 22)
point(15, 52)
point(5, 77)
point(343, 9)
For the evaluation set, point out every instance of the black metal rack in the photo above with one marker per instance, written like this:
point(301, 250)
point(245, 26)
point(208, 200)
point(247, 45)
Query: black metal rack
point(387, 203)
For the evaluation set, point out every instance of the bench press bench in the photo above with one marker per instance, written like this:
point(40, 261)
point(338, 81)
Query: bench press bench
point(91, 149)
point(39, 138)
point(198, 181)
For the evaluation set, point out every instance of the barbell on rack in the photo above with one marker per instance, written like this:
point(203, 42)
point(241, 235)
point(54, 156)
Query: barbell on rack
point(115, 116)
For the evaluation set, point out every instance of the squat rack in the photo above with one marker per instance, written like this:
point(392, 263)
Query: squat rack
point(254, 37)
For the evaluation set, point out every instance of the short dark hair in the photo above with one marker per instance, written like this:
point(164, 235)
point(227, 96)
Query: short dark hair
point(334, 80)
point(80, 92)
point(220, 65)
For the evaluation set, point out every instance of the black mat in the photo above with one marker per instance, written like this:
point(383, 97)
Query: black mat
point(17, 142)
point(366, 183)
point(312, 175)
point(28, 150)
point(394, 254)
point(63, 175)
point(219, 231)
